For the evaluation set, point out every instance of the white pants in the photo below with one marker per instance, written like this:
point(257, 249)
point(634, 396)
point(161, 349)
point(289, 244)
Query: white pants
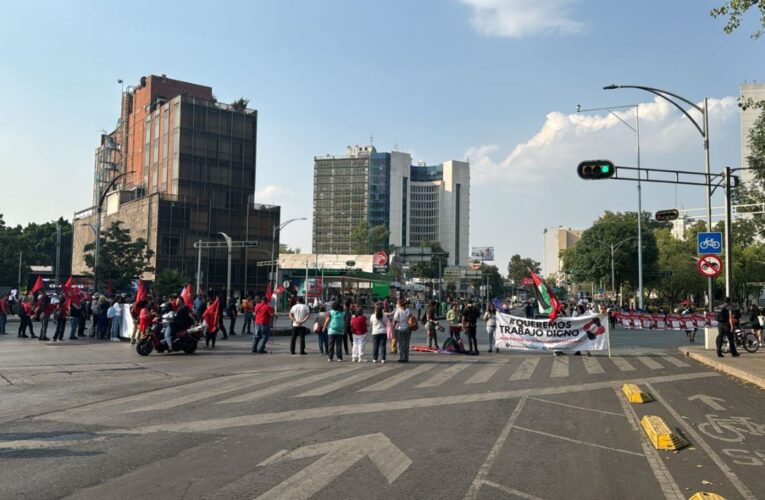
point(359, 341)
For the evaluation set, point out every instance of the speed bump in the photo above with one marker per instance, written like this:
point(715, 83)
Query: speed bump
point(660, 434)
point(635, 395)
point(704, 495)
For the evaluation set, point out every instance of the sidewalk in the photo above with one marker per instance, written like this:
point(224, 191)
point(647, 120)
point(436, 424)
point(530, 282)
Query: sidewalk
point(747, 367)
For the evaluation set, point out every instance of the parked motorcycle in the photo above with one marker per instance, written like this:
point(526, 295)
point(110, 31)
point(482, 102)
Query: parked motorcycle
point(747, 340)
point(185, 340)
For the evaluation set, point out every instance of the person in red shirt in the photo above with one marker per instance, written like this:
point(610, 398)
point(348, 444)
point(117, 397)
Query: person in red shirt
point(264, 314)
point(5, 310)
point(26, 311)
point(45, 309)
point(359, 331)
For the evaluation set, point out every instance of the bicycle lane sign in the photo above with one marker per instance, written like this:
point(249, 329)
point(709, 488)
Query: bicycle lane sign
point(709, 243)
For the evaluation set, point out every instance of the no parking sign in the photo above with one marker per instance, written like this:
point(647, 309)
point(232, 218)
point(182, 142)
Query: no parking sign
point(709, 266)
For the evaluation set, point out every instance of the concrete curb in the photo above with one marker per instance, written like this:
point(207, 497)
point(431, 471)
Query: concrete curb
point(723, 365)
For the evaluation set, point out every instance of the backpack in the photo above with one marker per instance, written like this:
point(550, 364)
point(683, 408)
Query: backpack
point(110, 313)
point(412, 323)
point(719, 316)
point(337, 321)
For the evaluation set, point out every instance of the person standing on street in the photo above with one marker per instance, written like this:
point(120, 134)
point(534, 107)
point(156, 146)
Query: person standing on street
point(431, 325)
point(46, 309)
point(75, 316)
point(725, 325)
point(379, 323)
point(116, 313)
point(59, 316)
point(453, 317)
point(247, 313)
point(25, 319)
point(335, 326)
point(264, 314)
point(231, 311)
point(469, 324)
point(348, 338)
point(359, 329)
point(401, 320)
point(321, 332)
point(755, 316)
point(299, 314)
point(490, 317)
point(5, 310)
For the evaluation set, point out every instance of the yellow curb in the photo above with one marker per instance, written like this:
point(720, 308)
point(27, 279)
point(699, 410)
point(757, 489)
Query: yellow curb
point(704, 495)
point(660, 434)
point(635, 395)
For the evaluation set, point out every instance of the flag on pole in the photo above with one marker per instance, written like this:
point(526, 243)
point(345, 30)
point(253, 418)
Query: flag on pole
point(269, 292)
point(141, 293)
point(72, 295)
point(546, 299)
point(210, 316)
point(186, 295)
point(37, 286)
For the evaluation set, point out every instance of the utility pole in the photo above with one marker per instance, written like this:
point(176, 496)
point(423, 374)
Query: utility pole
point(728, 236)
point(199, 265)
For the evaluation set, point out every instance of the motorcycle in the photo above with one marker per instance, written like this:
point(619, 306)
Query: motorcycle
point(747, 340)
point(185, 340)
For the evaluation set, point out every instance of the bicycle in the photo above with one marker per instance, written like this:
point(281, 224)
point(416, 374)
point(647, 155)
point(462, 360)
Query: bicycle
point(747, 340)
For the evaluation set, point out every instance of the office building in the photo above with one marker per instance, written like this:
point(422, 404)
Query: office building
point(417, 203)
point(190, 163)
point(556, 240)
point(755, 91)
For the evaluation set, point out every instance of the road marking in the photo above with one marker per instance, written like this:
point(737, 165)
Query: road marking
point(359, 409)
point(623, 364)
point(592, 365)
point(559, 367)
point(442, 376)
point(577, 407)
point(42, 444)
point(484, 374)
point(650, 363)
point(666, 482)
point(338, 457)
point(697, 439)
point(510, 491)
point(577, 441)
point(319, 377)
point(709, 400)
point(526, 369)
point(345, 382)
point(396, 379)
point(250, 381)
point(483, 472)
point(675, 361)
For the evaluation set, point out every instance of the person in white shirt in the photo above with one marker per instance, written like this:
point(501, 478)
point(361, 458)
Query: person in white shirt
point(116, 319)
point(299, 314)
point(379, 323)
point(402, 330)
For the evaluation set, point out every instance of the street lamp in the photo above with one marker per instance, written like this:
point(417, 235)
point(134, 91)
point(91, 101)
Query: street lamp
point(98, 226)
point(635, 129)
point(613, 274)
point(274, 265)
point(704, 131)
point(228, 272)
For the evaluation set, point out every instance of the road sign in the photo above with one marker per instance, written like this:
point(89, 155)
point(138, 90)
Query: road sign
point(710, 266)
point(709, 243)
point(482, 253)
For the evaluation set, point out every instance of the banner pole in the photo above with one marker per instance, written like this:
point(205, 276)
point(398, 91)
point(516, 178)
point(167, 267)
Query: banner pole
point(608, 321)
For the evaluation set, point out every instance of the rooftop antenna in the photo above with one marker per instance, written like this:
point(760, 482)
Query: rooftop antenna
point(371, 140)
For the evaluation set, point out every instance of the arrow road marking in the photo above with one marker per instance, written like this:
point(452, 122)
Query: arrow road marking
point(709, 400)
point(338, 456)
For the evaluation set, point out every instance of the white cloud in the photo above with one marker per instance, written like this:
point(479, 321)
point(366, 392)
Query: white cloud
point(522, 18)
point(271, 194)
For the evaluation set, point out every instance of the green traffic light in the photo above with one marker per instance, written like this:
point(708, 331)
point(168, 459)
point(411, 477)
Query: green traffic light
point(605, 168)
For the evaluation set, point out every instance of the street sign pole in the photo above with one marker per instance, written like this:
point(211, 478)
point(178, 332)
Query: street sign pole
point(728, 234)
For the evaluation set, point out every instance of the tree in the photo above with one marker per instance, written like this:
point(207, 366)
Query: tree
point(284, 248)
point(430, 269)
point(379, 236)
point(518, 268)
point(240, 104)
point(677, 266)
point(37, 243)
point(121, 258)
point(168, 282)
point(366, 240)
point(496, 283)
point(734, 10)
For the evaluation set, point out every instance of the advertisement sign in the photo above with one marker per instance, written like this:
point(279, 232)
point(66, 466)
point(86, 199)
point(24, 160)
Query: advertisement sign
point(482, 253)
point(583, 333)
point(380, 262)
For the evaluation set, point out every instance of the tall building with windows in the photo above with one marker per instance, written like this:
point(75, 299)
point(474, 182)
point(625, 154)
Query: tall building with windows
point(190, 175)
point(755, 91)
point(417, 203)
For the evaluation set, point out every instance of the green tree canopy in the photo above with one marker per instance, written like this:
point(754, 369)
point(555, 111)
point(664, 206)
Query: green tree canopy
point(37, 243)
point(734, 10)
point(168, 282)
point(518, 268)
point(430, 269)
point(121, 259)
point(367, 240)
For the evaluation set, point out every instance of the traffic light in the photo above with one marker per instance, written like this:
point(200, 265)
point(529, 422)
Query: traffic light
point(667, 215)
point(596, 169)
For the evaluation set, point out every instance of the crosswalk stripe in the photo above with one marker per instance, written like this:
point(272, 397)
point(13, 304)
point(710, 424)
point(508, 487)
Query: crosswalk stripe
point(396, 379)
point(674, 361)
point(525, 370)
point(319, 377)
point(251, 380)
point(650, 363)
point(592, 365)
point(623, 364)
point(483, 375)
point(444, 375)
point(345, 382)
point(559, 367)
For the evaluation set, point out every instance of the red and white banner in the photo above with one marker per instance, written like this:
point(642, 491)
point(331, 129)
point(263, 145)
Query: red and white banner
point(644, 321)
point(583, 333)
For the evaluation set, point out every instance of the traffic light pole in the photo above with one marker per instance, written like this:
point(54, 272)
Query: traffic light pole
point(727, 235)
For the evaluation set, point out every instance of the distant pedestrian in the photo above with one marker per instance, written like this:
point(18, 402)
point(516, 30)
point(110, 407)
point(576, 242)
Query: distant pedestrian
point(348, 334)
point(725, 325)
point(379, 323)
point(116, 314)
point(453, 317)
point(756, 319)
point(247, 314)
point(320, 331)
point(299, 314)
point(359, 329)
point(264, 314)
point(45, 309)
point(402, 324)
point(335, 326)
point(25, 320)
point(431, 325)
point(469, 325)
point(5, 310)
point(490, 317)
point(231, 312)
point(59, 316)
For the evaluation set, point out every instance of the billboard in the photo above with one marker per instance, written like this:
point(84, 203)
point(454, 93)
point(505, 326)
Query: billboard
point(482, 253)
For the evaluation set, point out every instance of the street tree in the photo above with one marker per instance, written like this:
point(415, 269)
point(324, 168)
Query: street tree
point(37, 244)
point(678, 277)
point(168, 282)
point(518, 268)
point(734, 10)
point(122, 258)
point(367, 240)
point(496, 282)
point(430, 269)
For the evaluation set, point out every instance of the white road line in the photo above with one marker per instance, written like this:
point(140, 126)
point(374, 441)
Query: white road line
point(484, 374)
point(577, 441)
point(213, 424)
point(510, 491)
point(697, 439)
point(592, 365)
point(442, 376)
point(675, 361)
point(650, 362)
point(559, 367)
point(526, 369)
point(623, 364)
point(345, 382)
point(319, 377)
point(577, 407)
point(252, 380)
point(396, 379)
point(43, 444)
point(666, 482)
point(483, 472)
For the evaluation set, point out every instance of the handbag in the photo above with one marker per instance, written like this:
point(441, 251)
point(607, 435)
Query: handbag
point(316, 327)
point(761, 319)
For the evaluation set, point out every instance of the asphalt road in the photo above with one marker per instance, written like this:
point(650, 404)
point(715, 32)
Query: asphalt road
point(94, 420)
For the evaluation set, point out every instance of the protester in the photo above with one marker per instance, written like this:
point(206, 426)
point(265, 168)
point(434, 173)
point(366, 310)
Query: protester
point(379, 323)
point(431, 326)
point(469, 324)
point(403, 321)
point(231, 312)
point(299, 314)
point(264, 314)
point(210, 316)
point(335, 326)
point(453, 317)
point(348, 334)
point(359, 329)
point(116, 316)
point(25, 320)
point(145, 318)
point(168, 315)
point(321, 332)
point(490, 317)
point(246, 306)
point(59, 315)
point(725, 326)
point(45, 309)
point(5, 310)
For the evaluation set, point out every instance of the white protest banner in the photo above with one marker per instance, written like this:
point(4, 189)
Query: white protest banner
point(126, 330)
point(583, 333)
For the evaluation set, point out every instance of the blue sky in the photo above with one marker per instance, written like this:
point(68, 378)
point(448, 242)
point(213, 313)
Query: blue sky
point(493, 80)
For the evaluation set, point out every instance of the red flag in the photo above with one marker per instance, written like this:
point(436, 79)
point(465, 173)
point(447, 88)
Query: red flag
point(68, 283)
point(186, 296)
point(269, 292)
point(37, 286)
point(546, 299)
point(141, 293)
point(210, 316)
point(72, 296)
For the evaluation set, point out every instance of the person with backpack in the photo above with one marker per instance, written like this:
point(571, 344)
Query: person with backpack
point(359, 329)
point(404, 323)
point(379, 323)
point(335, 326)
point(725, 326)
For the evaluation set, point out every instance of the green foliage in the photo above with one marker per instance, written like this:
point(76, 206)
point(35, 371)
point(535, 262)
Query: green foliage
point(366, 240)
point(37, 242)
point(734, 10)
point(121, 259)
point(240, 104)
point(496, 283)
point(430, 269)
point(677, 257)
point(518, 268)
point(283, 248)
point(168, 282)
